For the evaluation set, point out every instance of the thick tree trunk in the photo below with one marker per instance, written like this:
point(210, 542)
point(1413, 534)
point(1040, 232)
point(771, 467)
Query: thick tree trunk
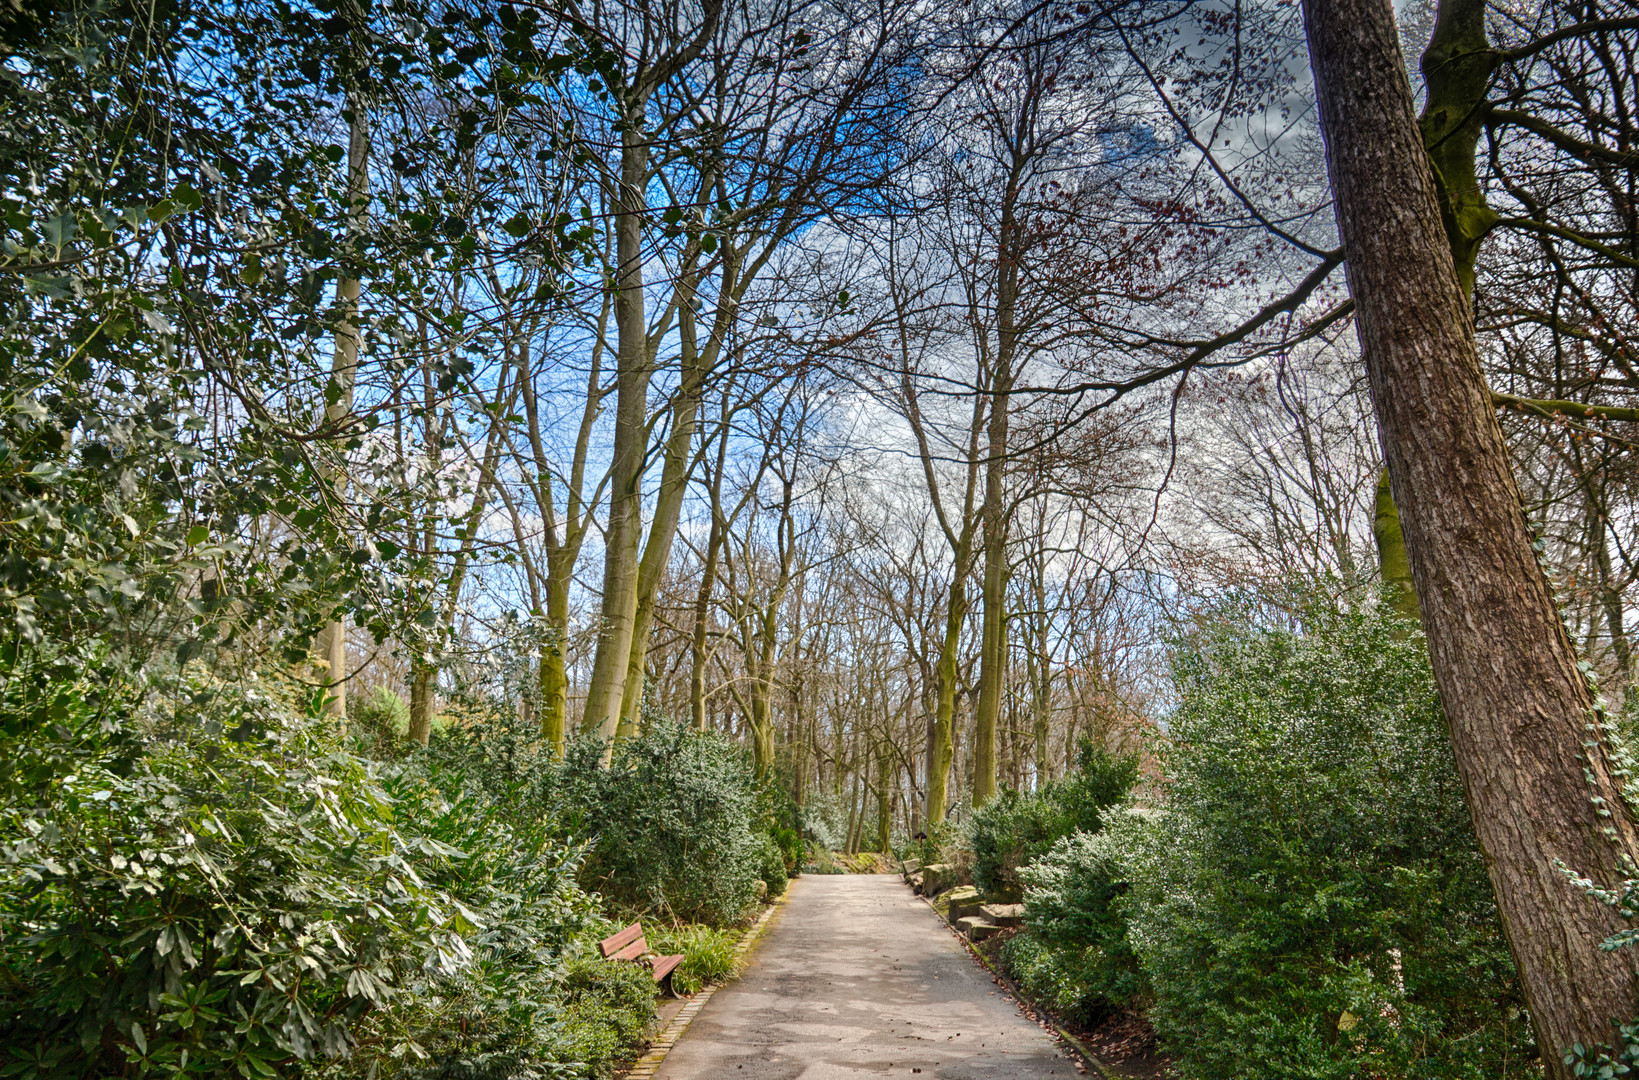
point(631, 441)
point(1518, 708)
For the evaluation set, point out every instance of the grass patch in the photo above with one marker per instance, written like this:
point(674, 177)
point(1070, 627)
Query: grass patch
point(708, 954)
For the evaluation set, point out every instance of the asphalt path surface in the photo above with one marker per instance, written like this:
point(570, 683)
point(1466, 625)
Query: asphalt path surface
point(857, 977)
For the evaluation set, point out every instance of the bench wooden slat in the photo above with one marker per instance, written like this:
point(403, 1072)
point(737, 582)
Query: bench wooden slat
point(616, 942)
point(632, 951)
point(631, 945)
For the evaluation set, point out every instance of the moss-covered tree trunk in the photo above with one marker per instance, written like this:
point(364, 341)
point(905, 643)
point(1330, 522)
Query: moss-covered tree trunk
point(1392, 563)
point(1518, 707)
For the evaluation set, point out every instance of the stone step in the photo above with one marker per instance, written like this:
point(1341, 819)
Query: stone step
point(964, 901)
point(937, 877)
point(1008, 915)
point(977, 927)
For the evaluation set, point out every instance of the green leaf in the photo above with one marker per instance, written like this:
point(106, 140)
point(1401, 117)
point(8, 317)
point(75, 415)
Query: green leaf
point(198, 535)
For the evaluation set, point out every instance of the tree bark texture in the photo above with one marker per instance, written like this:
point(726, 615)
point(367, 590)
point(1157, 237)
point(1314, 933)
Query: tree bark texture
point(1539, 781)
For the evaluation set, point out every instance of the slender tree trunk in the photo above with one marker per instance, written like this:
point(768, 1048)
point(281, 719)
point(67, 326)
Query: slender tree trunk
point(1041, 714)
point(554, 674)
point(563, 546)
point(884, 800)
point(941, 734)
point(1518, 708)
point(993, 622)
point(697, 644)
point(631, 436)
point(344, 362)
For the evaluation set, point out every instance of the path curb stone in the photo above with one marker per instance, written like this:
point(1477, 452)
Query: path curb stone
point(646, 1066)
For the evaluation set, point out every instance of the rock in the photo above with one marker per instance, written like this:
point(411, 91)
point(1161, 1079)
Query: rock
point(964, 901)
point(937, 877)
point(915, 882)
point(911, 866)
point(977, 927)
point(1008, 915)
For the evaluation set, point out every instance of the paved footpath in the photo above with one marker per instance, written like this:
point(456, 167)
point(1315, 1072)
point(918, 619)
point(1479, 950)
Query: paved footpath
point(856, 977)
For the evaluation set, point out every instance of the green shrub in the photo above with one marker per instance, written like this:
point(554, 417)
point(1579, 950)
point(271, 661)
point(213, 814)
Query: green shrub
point(1074, 952)
point(377, 723)
point(708, 954)
point(607, 1009)
point(208, 877)
point(213, 882)
point(1312, 902)
point(771, 864)
point(789, 841)
point(523, 1004)
point(1014, 828)
point(669, 821)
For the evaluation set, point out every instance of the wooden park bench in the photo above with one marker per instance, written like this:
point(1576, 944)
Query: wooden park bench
point(630, 945)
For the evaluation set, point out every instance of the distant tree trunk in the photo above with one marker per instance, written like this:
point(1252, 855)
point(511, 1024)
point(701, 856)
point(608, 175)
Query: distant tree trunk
point(702, 602)
point(563, 539)
point(1517, 706)
point(941, 734)
point(884, 799)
